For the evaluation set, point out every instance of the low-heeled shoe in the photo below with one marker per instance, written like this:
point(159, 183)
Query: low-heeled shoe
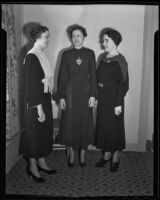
point(70, 164)
point(114, 166)
point(51, 171)
point(102, 162)
point(82, 164)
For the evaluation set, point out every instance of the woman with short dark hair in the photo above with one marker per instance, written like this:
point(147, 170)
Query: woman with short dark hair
point(38, 140)
point(113, 84)
point(77, 93)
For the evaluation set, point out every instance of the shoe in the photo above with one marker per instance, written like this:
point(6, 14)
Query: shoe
point(114, 166)
point(102, 162)
point(35, 178)
point(82, 164)
point(70, 164)
point(51, 171)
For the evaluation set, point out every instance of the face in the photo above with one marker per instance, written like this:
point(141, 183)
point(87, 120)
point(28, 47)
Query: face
point(43, 41)
point(77, 38)
point(108, 43)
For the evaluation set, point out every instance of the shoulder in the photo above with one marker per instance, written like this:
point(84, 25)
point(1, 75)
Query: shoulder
point(67, 53)
point(89, 50)
point(122, 61)
point(31, 58)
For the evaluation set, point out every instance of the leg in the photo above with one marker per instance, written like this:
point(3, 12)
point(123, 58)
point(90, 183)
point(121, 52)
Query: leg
point(42, 163)
point(83, 158)
point(107, 155)
point(33, 171)
point(71, 157)
point(116, 156)
point(115, 162)
point(33, 167)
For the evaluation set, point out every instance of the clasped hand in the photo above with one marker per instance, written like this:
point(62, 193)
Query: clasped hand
point(91, 103)
point(118, 110)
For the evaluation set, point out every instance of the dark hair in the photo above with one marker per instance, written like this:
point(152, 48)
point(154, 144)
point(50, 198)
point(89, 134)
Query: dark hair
point(37, 31)
point(76, 27)
point(114, 35)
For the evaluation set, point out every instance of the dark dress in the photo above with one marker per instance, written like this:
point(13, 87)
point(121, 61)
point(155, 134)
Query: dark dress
point(113, 84)
point(77, 83)
point(38, 139)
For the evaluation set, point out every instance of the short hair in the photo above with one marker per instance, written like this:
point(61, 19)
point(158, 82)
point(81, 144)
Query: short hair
point(76, 27)
point(114, 35)
point(37, 31)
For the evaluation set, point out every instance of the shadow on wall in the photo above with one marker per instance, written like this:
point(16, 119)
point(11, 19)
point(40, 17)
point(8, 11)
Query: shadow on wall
point(21, 72)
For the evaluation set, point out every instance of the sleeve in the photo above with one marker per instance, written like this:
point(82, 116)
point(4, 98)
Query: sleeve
point(34, 75)
point(62, 79)
point(92, 74)
point(123, 84)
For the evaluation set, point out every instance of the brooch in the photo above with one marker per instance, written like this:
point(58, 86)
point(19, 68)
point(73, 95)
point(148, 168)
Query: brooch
point(79, 61)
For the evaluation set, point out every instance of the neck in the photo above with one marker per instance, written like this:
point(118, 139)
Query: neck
point(79, 47)
point(38, 47)
point(112, 53)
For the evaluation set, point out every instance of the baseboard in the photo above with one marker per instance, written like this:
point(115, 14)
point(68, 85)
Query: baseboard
point(131, 147)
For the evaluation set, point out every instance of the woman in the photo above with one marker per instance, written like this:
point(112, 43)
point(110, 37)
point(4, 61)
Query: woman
point(77, 93)
point(113, 84)
point(38, 141)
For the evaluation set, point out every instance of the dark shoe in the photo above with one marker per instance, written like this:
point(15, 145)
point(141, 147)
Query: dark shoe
point(82, 164)
point(35, 178)
point(102, 162)
point(114, 166)
point(52, 171)
point(70, 164)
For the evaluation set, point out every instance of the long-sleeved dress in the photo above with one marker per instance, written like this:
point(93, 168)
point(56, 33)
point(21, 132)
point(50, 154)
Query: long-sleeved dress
point(113, 84)
point(38, 139)
point(77, 83)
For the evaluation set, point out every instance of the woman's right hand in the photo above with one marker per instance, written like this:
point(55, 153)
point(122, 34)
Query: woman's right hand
point(62, 104)
point(41, 114)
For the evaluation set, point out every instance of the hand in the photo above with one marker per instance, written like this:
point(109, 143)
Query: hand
point(91, 102)
point(118, 110)
point(62, 104)
point(41, 114)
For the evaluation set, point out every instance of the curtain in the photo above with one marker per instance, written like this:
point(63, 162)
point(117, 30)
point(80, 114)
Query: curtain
point(8, 24)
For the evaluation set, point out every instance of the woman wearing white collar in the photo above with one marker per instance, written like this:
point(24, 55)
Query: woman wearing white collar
point(38, 139)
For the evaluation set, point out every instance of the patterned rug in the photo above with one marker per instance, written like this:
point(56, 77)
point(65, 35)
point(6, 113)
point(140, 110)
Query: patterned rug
point(134, 177)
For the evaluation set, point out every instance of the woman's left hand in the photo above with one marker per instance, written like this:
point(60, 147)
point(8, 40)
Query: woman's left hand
point(118, 110)
point(91, 102)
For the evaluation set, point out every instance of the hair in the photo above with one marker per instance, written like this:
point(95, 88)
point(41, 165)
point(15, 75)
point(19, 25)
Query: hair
point(76, 27)
point(114, 35)
point(37, 31)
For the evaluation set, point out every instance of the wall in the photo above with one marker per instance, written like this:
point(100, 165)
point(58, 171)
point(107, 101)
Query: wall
point(153, 12)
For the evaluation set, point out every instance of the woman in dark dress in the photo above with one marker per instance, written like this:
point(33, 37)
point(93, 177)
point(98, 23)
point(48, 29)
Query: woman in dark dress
point(113, 84)
point(38, 140)
point(77, 92)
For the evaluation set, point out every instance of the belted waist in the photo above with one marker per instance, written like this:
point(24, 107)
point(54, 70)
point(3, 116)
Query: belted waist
point(105, 83)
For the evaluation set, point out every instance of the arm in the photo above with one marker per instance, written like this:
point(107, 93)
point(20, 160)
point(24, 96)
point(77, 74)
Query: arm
point(34, 75)
point(92, 74)
point(123, 84)
point(62, 79)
